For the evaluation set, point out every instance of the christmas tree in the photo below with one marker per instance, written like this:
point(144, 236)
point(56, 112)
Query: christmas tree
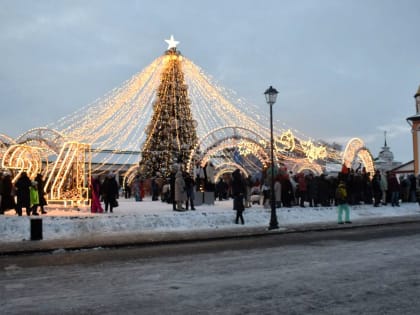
point(171, 133)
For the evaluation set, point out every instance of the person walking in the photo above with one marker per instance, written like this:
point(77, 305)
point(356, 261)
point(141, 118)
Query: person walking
point(110, 192)
point(238, 193)
point(127, 190)
point(22, 194)
point(265, 188)
point(341, 200)
point(95, 188)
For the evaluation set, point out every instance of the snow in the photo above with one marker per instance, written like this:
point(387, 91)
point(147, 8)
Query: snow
point(153, 216)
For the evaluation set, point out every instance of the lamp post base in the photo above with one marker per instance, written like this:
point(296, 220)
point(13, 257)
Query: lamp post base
point(273, 220)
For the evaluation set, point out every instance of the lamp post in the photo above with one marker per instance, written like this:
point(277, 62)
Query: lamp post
point(270, 97)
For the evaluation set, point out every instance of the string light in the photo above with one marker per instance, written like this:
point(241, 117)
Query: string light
point(356, 149)
point(126, 118)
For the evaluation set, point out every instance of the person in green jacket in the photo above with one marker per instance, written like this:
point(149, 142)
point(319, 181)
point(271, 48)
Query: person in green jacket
point(34, 197)
point(341, 199)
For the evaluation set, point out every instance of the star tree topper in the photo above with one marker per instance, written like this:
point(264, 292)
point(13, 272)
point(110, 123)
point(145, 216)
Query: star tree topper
point(171, 42)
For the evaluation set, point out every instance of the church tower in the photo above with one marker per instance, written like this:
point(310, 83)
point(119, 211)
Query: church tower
point(414, 122)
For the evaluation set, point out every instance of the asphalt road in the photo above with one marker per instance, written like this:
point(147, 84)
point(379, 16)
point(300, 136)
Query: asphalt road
point(371, 270)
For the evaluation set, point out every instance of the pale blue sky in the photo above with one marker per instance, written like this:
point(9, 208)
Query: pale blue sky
point(343, 68)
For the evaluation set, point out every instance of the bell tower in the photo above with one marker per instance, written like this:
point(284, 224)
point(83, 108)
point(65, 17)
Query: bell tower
point(414, 122)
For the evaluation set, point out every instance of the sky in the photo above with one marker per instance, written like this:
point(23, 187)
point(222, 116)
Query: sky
point(343, 69)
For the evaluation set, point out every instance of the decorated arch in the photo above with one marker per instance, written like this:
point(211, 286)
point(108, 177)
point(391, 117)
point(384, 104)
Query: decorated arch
point(24, 158)
point(302, 167)
point(356, 152)
point(49, 139)
point(244, 139)
point(5, 143)
point(229, 167)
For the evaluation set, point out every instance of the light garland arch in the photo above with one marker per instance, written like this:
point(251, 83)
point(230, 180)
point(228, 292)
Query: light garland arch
point(355, 149)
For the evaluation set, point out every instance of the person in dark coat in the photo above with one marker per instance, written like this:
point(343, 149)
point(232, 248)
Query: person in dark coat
point(323, 191)
point(394, 189)
point(110, 192)
point(41, 192)
point(238, 193)
point(376, 188)
point(127, 190)
point(22, 194)
point(137, 188)
point(155, 189)
point(7, 200)
point(221, 189)
point(189, 188)
point(286, 192)
point(312, 190)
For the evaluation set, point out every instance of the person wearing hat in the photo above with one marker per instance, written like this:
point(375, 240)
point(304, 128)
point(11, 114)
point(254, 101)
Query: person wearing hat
point(109, 191)
point(34, 197)
point(341, 199)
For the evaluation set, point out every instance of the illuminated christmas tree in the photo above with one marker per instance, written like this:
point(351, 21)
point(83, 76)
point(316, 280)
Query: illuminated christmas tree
point(171, 133)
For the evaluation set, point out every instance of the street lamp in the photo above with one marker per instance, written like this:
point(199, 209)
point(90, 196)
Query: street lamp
point(270, 97)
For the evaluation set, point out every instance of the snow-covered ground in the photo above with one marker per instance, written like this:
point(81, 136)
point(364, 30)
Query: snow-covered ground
point(148, 216)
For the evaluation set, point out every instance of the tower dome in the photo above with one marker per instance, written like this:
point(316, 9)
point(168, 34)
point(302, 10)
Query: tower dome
point(385, 155)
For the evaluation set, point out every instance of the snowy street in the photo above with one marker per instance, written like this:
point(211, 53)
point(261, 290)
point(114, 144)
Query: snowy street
point(356, 271)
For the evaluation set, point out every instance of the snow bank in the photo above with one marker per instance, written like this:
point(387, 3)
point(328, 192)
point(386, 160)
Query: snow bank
point(146, 216)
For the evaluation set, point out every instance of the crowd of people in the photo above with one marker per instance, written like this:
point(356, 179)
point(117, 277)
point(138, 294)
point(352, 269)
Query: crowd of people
point(30, 195)
point(289, 189)
point(106, 191)
point(310, 190)
point(23, 194)
point(180, 187)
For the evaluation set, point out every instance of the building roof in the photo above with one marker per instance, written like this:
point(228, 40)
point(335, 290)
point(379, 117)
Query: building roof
point(404, 168)
point(414, 117)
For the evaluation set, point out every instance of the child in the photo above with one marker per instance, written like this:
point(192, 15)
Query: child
point(34, 197)
point(341, 199)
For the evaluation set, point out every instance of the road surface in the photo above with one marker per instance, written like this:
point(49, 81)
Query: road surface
point(353, 271)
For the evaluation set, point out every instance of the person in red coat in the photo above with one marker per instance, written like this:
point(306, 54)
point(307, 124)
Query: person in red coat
point(95, 187)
